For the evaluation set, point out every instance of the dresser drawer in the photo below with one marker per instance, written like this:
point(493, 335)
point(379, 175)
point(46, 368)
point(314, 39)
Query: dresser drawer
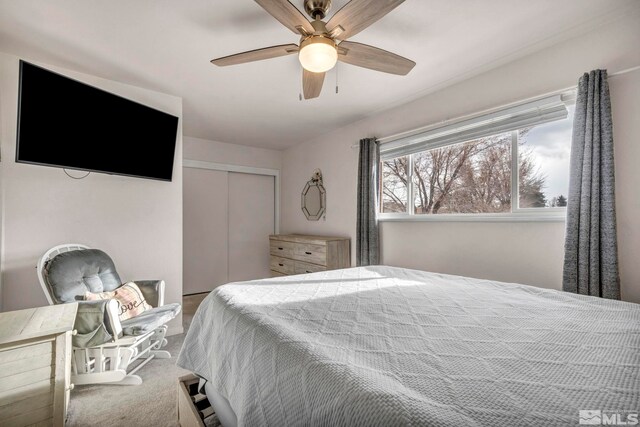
point(301, 254)
point(281, 248)
point(314, 254)
point(277, 274)
point(305, 267)
point(282, 265)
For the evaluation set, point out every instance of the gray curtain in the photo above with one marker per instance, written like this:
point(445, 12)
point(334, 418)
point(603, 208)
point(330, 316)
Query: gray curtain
point(591, 252)
point(367, 227)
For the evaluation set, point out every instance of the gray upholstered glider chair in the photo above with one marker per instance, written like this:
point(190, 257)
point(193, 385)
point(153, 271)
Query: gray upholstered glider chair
point(105, 350)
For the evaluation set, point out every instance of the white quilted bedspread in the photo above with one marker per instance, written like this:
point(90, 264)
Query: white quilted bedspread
point(383, 346)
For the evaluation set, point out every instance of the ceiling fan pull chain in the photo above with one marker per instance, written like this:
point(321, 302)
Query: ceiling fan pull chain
point(336, 78)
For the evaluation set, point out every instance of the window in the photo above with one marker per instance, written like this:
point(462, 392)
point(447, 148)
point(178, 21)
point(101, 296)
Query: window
point(518, 173)
point(543, 163)
point(394, 189)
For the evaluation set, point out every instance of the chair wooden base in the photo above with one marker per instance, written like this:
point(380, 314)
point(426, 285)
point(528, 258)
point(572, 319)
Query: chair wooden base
point(118, 376)
point(110, 363)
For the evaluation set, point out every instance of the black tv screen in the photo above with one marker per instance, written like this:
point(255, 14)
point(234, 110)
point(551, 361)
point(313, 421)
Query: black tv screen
point(68, 124)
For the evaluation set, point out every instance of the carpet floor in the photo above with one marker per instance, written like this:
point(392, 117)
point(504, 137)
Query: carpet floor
point(153, 403)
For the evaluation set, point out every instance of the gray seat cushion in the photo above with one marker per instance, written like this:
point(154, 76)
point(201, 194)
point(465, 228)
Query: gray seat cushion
point(71, 274)
point(150, 319)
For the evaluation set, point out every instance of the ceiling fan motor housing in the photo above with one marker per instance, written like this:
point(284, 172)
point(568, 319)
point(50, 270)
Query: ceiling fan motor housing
point(317, 9)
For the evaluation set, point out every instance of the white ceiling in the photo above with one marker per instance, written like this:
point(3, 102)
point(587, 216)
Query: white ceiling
point(166, 45)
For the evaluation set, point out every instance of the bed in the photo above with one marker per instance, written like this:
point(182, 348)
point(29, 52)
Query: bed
point(389, 346)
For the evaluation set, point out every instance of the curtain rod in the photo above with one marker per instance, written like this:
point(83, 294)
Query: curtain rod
point(406, 133)
point(625, 71)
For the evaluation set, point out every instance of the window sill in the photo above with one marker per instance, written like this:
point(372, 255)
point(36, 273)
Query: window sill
point(506, 217)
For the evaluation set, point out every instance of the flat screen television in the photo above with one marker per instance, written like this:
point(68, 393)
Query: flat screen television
point(67, 124)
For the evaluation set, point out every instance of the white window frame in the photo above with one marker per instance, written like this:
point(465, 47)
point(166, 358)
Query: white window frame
point(517, 214)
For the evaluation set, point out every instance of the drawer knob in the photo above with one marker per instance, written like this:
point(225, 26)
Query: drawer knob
point(280, 249)
point(308, 253)
point(309, 271)
point(281, 265)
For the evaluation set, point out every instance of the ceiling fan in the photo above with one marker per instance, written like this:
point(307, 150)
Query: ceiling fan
point(323, 44)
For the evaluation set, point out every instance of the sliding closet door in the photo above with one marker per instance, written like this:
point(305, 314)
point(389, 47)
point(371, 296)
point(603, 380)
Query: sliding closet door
point(205, 218)
point(251, 220)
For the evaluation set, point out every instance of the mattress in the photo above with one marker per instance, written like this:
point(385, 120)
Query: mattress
point(389, 346)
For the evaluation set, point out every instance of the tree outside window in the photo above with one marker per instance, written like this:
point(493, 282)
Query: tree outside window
point(475, 177)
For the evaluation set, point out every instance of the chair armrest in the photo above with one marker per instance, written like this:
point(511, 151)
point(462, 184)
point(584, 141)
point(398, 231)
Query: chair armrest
point(96, 323)
point(153, 291)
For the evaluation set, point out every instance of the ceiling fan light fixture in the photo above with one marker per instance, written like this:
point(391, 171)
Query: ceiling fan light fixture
point(318, 54)
point(322, 44)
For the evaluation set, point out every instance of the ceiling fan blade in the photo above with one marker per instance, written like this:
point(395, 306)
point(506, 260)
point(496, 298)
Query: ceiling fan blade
point(312, 84)
point(357, 15)
point(374, 58)
point(287, 14)
point(256, 55)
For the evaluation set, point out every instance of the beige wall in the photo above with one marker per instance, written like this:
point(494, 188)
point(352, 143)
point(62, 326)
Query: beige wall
point(136, 221)
point(529, 253)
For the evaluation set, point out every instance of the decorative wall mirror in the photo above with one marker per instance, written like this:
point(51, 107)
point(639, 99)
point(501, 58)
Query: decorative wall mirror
point(314, 201)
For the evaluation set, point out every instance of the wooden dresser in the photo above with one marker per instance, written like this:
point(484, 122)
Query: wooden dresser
point(300, 254)
point(35, 357)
